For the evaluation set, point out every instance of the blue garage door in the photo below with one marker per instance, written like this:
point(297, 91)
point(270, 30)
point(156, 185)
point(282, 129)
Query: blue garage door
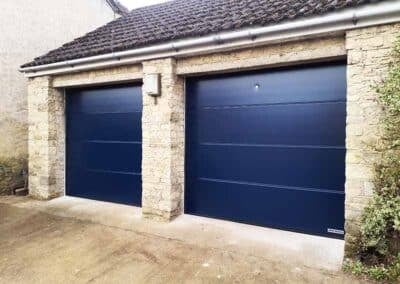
point(268, 148)
point(104, 143)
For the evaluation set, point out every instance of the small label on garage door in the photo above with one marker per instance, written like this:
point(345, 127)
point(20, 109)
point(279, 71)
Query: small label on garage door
point(335, 231)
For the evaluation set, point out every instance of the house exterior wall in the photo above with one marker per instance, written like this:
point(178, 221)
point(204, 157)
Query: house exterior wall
point(368, 53)
point(266, 56)
point(46, 139)
point(163, 155)
point(99, 77)
point(29, 29)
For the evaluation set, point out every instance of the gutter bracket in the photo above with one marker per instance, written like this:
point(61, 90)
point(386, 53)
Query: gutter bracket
point(354, 19)
point(218, 40)
point(176, 49)
point(252, 36)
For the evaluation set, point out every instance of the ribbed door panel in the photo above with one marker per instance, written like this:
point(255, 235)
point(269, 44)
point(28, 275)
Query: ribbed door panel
point(104, 143)
point(268, 148)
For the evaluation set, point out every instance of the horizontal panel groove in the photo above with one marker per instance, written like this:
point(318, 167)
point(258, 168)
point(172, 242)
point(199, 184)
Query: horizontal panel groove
point(268, 104)
point(341, 192)
point(98, 113)
point(113, 141)
point(104, 143)
point(273, 146)
point(268, 147)
point(113, 172)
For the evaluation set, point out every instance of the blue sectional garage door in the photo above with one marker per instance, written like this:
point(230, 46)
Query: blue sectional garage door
point(268, 148)
point(104, 143)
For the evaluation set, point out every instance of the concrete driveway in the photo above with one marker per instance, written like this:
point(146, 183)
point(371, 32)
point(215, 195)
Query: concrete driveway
point(41, 243)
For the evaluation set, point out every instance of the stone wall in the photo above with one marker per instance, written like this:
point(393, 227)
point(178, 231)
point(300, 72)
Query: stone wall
point(163, 143)
point(99, 77)
point(46, 141)
point(369, 52)
point(264, 56)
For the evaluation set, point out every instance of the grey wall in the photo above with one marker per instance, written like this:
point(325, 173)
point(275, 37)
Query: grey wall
point(29, 28)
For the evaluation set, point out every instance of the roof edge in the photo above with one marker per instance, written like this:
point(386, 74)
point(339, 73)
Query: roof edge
point(117, 7)
point(339, 21)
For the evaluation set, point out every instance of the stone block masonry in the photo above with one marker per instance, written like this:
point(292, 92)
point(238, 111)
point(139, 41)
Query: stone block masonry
point(46, 141)
point(163, 143)
point(274, 55)
point(369, 54)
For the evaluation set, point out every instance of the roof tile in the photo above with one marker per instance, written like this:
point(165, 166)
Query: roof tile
point(180, 19)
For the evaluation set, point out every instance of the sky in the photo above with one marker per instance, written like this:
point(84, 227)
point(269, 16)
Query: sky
point(131, 4)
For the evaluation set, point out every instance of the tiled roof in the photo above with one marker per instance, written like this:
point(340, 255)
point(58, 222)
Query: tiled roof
point(188, 18)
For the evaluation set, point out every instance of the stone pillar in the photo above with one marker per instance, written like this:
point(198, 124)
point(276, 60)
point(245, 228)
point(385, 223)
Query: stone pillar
point(368, 51)
point(46, 139)
point(163, 143)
